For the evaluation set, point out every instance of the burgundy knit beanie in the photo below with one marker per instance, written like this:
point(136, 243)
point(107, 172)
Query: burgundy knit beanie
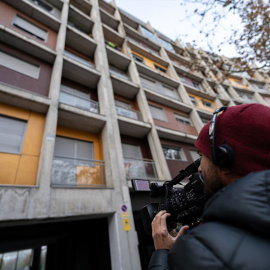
point(246, 129)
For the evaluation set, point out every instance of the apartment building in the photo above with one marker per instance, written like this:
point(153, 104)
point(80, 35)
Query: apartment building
point(90, 98)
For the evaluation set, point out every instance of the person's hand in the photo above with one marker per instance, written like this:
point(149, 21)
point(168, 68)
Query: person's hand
point(162, 238)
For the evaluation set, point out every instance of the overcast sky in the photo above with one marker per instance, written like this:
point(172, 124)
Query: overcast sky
point(168, 17)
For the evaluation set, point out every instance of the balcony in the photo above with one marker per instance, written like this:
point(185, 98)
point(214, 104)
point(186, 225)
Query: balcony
point(79, 102)
point(128, 113)
point(140, 168)
point(119, 73)
point(80, 21)
point(82, 5)
point(78, 173)
point(79, 59)
point(50, 19)
point(109, 20)
point(80, 42)
point(166, 91)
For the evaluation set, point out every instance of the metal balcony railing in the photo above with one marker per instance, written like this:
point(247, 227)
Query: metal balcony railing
point(119, 73)
point(163, 91)
point(70, 172)
point(79, 102)
point(128, 113)
point(79, 59)
point(140, 168)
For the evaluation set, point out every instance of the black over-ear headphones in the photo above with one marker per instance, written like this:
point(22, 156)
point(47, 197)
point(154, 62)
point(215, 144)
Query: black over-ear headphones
point(220, 155)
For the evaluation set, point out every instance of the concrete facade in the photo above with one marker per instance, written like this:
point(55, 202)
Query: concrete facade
point(98, 23)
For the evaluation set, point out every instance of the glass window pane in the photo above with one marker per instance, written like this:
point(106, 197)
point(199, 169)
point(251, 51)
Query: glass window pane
point(131, 150)
point(12, 132)
point(194, 154)
point(43, 256)
point(173, 153)
point(64, 147)
point(85, 150)
point(157, 113)
point(24, 259)
point(21, 66)
point(30, 28)
point(9, 261)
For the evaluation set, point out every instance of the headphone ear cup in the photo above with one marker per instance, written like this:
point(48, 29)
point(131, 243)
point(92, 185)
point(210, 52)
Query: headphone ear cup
point(225, 155)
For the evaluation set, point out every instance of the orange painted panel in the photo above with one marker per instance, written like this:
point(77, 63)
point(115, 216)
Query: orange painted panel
point(34, 133)
point(22, 169)
point(14, 112)
point(200, 104)
point(8, 168)
point(89, 175)
point(27, 170)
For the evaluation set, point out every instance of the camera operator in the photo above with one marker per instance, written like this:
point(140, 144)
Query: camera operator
point(235, 227)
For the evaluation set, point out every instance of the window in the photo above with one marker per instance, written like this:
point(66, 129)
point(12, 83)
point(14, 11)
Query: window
point(148, 34)
point(207, 104)
point(19, 65)
point(183, 120)
point(193, 100)
point(70, 155)
point(43, 5)
point(160, 68)
point(246, 97)
point(74, 149)
point(174, 153)
point(30, 28)
point(24, 259)
point(12, 134)
point(194, 154)
point(196, 85)
point(205, 120)
point(124, 109)
point(167, 45)
point(259, 87)
point(170, 92)
point(77, 99)
point(138, 58)
point(130, 150)
point(158, 113)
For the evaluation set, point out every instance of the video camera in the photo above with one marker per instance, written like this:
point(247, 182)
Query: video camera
point(184, 204)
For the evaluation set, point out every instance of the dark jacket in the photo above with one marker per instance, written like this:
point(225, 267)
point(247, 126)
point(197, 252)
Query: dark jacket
point(235, 233)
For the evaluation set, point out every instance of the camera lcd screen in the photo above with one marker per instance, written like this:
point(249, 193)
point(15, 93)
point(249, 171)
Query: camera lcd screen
point(140, 185)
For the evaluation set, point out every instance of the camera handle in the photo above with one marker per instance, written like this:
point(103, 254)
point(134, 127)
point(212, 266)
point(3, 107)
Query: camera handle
point(189, 170)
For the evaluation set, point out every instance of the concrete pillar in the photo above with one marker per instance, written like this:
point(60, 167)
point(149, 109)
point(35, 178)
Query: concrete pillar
point(124, 250)
point(40, 202)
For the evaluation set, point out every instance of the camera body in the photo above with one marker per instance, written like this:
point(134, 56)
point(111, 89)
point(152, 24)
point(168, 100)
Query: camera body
point(184, 204)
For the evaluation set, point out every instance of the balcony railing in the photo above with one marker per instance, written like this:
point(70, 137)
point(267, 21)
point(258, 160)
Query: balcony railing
point(79, 102)
point(79, 59)
point(189, 82)
point(69, 172)
point(128, 113)
point(140, 168)
point(166, 92)
point(144, 46)
point(119, 73)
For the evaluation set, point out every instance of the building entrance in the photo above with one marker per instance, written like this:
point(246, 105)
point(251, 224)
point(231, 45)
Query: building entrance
point(56, 245)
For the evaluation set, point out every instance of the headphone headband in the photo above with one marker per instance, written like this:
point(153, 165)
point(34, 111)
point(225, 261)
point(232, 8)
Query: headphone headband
point(221, 155)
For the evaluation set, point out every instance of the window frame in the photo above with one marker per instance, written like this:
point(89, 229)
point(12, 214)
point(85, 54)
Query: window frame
point(158, 108)
point(180, 151)
point(185, 120)
point(138, 58)
point(39, 37)
point(24, 129)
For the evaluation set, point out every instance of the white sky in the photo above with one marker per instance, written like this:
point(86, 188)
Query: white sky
point(167, 16)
